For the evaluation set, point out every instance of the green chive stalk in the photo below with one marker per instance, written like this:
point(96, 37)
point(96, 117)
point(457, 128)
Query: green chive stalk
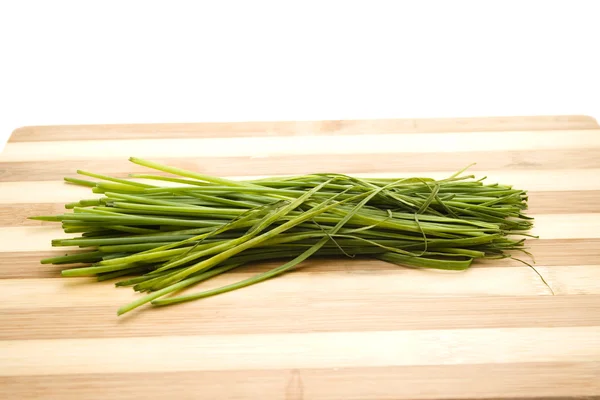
point(180, 229)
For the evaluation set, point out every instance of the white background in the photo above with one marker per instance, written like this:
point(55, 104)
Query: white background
point(74, 62)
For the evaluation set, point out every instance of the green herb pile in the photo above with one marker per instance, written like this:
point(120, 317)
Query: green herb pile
point(183, 228)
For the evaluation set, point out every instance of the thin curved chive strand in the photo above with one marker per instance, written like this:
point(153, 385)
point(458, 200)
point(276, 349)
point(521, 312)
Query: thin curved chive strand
point(153, 298)
point(81, 229)
point(136, 247)
point(121, 186)
point(118, 274)
point(80, 182)
point(423, 262)
point(226, 189)
point(170, 179)
point(185, 173)
point(130, 229)
point(131, 220)
point(178, 286)
point(94, 270)
point(143, 199)
point(181, 210)
point(111, 179)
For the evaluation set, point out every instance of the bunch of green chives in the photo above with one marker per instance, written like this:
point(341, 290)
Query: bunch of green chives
point(188, 227)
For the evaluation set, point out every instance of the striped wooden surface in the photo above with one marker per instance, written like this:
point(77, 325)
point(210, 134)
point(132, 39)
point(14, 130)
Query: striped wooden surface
point(334, 329)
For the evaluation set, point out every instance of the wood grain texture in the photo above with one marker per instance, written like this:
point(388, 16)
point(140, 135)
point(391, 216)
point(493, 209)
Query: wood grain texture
point(299, 128)
point(333, 328)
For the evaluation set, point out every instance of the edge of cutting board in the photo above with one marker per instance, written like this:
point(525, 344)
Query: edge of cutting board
point(293, 128)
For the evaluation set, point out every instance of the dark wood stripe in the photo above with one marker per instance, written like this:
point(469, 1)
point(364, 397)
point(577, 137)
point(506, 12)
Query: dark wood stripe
point(305, 164)
point(558, 252)
point(533, 381)
point(291, 128)
point(297, 313)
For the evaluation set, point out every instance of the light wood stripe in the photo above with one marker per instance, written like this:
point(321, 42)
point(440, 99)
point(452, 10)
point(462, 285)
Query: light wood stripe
point(17, 214)
point(527, 160)
point(294, 128)
point(560, 252)
point(563, 202)
point(329, 285)
point(206, 353)
point(278, 146)
point(31, 238)
point(45, 191)
point(571, 202)
point(553, 380)
point(547, 226)
point(566, 226)
point(551, 180)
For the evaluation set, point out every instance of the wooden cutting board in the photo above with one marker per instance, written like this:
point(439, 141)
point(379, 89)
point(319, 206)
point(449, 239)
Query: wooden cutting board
point(331, 329)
